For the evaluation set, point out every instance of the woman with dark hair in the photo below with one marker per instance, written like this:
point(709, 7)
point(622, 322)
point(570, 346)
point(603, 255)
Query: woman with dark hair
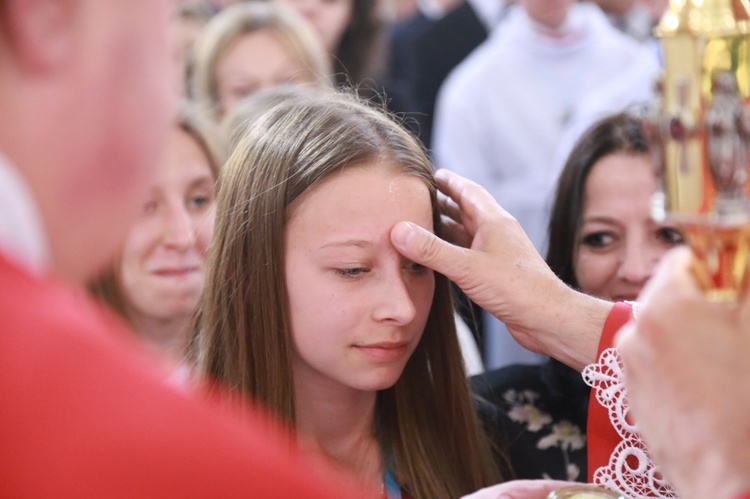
point(603, 242)
point(614, 149)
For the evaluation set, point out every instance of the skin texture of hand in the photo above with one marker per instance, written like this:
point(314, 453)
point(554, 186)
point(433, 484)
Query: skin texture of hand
point(520, 489)
point(499, 269)
point(687, 375)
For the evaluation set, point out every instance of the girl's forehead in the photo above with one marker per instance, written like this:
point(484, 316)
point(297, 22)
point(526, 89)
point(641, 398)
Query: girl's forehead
point(363, 198)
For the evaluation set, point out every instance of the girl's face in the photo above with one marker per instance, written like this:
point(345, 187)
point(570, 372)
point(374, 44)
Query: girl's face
point(256, 61)
point(358, 308)
point(619, 244)
point(330, 18)
point(164, 259)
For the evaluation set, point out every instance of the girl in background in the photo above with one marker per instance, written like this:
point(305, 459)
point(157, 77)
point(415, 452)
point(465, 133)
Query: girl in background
point(157, 281)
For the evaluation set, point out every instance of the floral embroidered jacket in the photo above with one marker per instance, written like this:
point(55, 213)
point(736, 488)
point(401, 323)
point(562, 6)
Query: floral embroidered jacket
point(542, 420)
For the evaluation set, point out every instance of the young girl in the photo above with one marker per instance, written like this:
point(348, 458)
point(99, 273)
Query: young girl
point(157, 281)
point(309, 309)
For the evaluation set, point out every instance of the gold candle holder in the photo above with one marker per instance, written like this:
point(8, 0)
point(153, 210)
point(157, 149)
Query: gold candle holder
point(701, 137)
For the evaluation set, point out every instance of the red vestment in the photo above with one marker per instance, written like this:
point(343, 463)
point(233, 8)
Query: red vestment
point(84, 414)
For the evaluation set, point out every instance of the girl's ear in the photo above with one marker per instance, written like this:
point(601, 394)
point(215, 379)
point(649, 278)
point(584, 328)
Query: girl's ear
point(42, 33)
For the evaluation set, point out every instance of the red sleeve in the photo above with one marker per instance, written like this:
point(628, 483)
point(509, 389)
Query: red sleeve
point(600, 434)
point(744, 495)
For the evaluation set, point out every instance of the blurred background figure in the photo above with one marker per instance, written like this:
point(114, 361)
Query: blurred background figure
point(397, 11)
point(355, 36)
point(603, 242)
point(656, 8)
point(190, 19)
point(157, 281)
point(631, 17)
point(352, 33)
point(424, 49)
point(502, 112)
point(251, 46)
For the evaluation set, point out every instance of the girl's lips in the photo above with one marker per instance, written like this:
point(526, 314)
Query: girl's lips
point(175, 272)
point(384, 351)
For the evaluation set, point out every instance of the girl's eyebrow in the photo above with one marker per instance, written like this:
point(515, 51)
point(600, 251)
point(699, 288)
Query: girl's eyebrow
point(361, 243)
point(596, 218)
point(206, 179)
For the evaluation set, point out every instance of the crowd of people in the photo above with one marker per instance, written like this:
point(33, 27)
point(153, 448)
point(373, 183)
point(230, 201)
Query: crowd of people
point(226, 255)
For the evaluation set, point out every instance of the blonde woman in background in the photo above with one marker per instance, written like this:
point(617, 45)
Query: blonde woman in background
point(251, 46)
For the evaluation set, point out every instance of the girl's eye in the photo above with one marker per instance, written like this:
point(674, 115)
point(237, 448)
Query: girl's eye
point(352, 272)
point(242, 92)
point(416, 268)
point(597, 239)
point(149, 207)
point(670, 235)
point(199, 201)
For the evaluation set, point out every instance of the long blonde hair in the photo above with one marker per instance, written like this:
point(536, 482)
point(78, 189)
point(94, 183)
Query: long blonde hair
point(426, 423)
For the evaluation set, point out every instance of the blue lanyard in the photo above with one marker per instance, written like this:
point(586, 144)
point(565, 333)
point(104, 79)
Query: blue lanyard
point(392, 488)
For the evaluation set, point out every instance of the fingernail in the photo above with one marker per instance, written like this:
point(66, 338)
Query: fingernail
point(404, 233)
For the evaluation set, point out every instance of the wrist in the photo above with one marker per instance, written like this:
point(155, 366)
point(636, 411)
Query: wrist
point(580, 324)
point(566, 325)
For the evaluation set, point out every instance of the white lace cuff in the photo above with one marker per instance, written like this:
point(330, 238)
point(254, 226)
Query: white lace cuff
point(630, 470)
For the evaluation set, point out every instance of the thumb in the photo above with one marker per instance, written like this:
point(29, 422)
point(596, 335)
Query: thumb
point(425, 248)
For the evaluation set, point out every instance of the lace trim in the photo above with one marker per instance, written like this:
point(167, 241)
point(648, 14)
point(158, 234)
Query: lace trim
point(630, 470)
